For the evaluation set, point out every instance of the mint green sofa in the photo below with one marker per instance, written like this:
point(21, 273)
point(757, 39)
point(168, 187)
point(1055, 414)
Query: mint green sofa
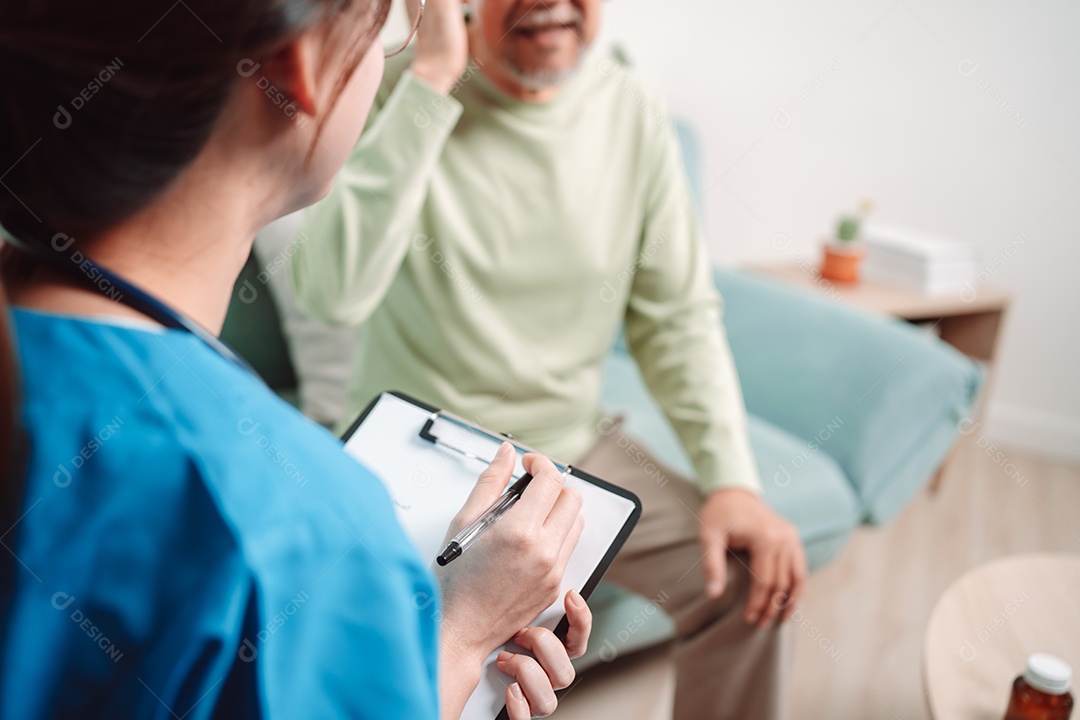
point(849, 414)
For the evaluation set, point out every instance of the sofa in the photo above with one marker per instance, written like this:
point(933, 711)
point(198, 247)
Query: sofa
point(850, 414)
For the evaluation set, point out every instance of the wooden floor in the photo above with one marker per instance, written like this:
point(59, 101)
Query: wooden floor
point(859, 645)
point(874, 601)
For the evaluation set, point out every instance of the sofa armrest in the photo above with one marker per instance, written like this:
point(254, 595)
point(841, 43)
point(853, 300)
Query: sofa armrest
point(881, 397)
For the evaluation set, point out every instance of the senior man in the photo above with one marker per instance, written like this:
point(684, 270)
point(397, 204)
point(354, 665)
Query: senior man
point(513, 203)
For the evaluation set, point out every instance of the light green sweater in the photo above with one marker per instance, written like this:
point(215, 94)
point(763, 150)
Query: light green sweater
point(492, 250)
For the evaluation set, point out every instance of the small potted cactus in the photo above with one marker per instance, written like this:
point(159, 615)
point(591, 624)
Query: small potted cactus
point(844, 253)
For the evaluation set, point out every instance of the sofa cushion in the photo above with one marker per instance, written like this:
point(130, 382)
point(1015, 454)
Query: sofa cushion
point(804, 486)
point(878, 395)
point(623, 623)
point(253, 329)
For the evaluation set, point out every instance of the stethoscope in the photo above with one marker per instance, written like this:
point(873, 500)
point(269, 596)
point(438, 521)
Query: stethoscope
point(104, 282)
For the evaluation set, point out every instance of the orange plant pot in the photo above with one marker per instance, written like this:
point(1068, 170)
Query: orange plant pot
point(841, 262)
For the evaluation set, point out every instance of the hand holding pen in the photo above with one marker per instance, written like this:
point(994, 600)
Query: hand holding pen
point(491, 592)
point(518, 562)
point(472, 532)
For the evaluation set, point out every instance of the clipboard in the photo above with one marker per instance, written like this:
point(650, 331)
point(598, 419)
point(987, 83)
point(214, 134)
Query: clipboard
point(429, 460)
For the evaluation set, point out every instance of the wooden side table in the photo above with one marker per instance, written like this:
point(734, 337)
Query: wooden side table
point(971, 326)
point(987, 623)
point(971, 322)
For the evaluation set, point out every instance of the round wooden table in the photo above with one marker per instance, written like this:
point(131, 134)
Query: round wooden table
point(987, 623)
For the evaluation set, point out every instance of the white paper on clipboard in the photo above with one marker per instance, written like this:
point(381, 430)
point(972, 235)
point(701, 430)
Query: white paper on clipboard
point(429, 483)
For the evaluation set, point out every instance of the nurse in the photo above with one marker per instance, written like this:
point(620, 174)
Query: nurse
point(178, 542)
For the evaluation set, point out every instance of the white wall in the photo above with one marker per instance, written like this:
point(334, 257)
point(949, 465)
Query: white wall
point(959, 117)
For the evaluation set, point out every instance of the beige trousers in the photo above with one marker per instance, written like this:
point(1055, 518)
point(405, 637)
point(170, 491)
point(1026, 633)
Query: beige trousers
point(725, 668)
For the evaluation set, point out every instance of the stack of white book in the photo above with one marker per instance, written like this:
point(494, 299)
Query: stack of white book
point(921, 262)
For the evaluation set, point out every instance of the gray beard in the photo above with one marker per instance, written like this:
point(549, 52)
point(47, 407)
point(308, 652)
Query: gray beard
point(543, 78)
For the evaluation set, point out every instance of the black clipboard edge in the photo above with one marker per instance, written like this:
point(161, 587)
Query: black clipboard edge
point(605, 562)
point(375, 401)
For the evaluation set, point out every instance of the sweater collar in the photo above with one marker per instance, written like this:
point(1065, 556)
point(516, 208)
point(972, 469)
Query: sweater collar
point(565, 98)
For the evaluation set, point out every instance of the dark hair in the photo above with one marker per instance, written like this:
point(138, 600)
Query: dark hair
point(10, 461)
point(102, 105)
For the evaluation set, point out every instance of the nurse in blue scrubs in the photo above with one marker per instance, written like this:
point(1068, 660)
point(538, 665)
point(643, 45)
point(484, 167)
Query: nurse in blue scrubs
point(177, 541)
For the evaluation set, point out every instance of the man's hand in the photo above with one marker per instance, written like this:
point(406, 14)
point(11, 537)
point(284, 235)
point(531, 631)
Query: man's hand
point(442, 45)
point(740, 520)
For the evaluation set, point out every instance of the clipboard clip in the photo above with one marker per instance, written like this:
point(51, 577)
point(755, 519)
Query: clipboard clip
point(426, 434)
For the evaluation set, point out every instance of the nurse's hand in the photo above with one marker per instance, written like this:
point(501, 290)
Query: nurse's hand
point(512, 573)
point(538, 677)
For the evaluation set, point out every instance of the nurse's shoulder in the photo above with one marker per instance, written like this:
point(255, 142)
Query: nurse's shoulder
point(279, 477)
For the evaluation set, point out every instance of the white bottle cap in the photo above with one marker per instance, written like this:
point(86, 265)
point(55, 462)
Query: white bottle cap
point(1048, 673)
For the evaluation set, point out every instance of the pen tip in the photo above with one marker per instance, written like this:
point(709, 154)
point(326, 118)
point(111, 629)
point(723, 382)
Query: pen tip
point(452, 551)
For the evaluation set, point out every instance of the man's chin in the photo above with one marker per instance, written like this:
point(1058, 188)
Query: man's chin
point(542, 79)
point(536, 76)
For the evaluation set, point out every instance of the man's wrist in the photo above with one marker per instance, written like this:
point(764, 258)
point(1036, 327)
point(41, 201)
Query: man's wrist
point(748, 483)
point(728, 490)
point(434, 76)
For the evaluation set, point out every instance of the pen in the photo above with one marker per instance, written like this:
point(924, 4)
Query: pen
point(468, 535)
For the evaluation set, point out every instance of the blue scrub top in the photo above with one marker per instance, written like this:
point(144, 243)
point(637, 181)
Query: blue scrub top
point(192, 547)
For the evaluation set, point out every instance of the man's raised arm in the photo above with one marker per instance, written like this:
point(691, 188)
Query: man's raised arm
point(352, 242)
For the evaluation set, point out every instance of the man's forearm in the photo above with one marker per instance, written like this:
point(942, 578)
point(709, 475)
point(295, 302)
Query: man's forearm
point(687, 366)
point(351, 244)
point(674, 330)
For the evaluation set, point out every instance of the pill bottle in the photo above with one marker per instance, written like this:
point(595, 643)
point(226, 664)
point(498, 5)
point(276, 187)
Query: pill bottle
point(1042, 691)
